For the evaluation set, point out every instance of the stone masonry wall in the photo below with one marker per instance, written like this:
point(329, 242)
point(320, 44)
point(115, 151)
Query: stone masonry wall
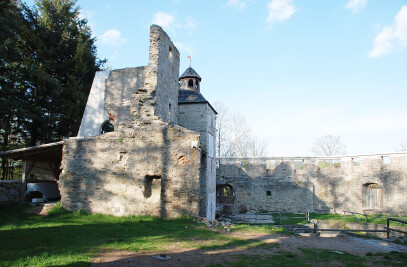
point(200, 118)
point(164, 73)
point(317, 185)
point(153, 170)
point(10, 192)
point(137, 96)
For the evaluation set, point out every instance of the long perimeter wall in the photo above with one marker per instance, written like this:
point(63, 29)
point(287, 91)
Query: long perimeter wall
point(375, 183)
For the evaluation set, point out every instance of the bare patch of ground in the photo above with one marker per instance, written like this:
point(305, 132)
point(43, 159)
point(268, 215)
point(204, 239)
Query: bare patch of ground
point(269, 245)
point(40, 209)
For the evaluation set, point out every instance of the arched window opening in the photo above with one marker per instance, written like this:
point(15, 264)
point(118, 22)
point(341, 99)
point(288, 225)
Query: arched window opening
point(190, 82)
point(372, 196)
point(106, 127)
point(197, 84)
point(225, 194)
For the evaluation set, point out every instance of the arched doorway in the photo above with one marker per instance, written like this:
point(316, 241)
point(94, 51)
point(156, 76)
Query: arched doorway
point(225, 194)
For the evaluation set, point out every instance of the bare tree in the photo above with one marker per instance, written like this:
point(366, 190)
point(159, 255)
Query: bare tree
point(403, 146)
point(328, 145)
point(234, 136)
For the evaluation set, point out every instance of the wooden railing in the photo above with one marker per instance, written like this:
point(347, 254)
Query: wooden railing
point(392, 229)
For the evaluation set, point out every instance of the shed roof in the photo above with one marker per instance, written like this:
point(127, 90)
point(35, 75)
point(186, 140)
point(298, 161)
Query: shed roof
point(51, 151)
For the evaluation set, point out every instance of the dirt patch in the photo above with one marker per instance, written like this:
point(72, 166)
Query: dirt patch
point(271, 244)
point(40, 209)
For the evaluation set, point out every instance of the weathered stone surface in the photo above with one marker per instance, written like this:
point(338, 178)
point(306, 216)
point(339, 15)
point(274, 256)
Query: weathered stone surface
point(10, 191)
point(149, 165)
point(316, 185)
point(155, 172)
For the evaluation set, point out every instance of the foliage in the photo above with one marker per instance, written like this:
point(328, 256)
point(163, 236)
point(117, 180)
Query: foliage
point(47, 63)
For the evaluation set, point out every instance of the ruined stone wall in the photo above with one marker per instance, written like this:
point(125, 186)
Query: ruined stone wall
point(317, 185)
point(10, 192)
point(126, 98)
point(151, 170)
point(137, 96)
point(163, 73)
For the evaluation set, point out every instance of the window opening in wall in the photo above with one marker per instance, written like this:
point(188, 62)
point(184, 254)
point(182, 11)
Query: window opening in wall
point(211, 146)
point(329, 163)
point(386, 160)
point(218, 163)
point(197, 84)
point(337, 163)
point(268, 193)
point(270, 164)
point(190, 82)
point(169, 112)
point(298, 164)
point(106, 127)
point(355, 161)
point(148, 184)
point(170, 53)
point(227, 191)
point(224, 194)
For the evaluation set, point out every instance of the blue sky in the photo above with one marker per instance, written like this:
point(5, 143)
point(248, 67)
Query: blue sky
point(296, 69)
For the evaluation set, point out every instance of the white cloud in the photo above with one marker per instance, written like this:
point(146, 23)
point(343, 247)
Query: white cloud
point(280, 10)
point(168, 21)
point(164, 20)
point(391, 36)
point(112, 37)
point(239, 4)
point(355, 5)
point(185, 48)
point(190, 23)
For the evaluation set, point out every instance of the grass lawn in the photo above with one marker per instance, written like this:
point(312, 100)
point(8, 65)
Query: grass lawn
point(374, 218)
point(66, 238)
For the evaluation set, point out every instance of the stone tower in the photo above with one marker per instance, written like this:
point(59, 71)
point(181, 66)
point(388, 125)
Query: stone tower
point(190, 80)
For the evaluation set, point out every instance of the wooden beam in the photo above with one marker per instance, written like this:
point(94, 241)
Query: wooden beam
point(26, 171)
point(34, 159)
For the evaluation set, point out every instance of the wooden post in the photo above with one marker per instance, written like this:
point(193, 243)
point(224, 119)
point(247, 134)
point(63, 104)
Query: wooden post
point(26, 171)
point(23, 180)
point(388, 230)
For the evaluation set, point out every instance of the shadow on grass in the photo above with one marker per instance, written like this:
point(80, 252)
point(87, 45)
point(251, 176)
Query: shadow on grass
point(73, 239)
point(67, 238)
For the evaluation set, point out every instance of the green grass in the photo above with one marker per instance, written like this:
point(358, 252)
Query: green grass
point(74, 238)
point(63, 238)
point(375, 219)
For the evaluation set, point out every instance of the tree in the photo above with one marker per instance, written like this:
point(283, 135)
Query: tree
point(328, 145)
point(47, 64)
point(12, 112)
point(65, 61)
point(403, 146)
point(234, 136)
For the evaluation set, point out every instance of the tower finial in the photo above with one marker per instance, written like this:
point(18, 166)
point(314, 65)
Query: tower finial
point(189, 60)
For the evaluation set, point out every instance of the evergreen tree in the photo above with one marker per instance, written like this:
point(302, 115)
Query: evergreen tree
point(12, 134)
point(65, 55)
point(47, 64)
